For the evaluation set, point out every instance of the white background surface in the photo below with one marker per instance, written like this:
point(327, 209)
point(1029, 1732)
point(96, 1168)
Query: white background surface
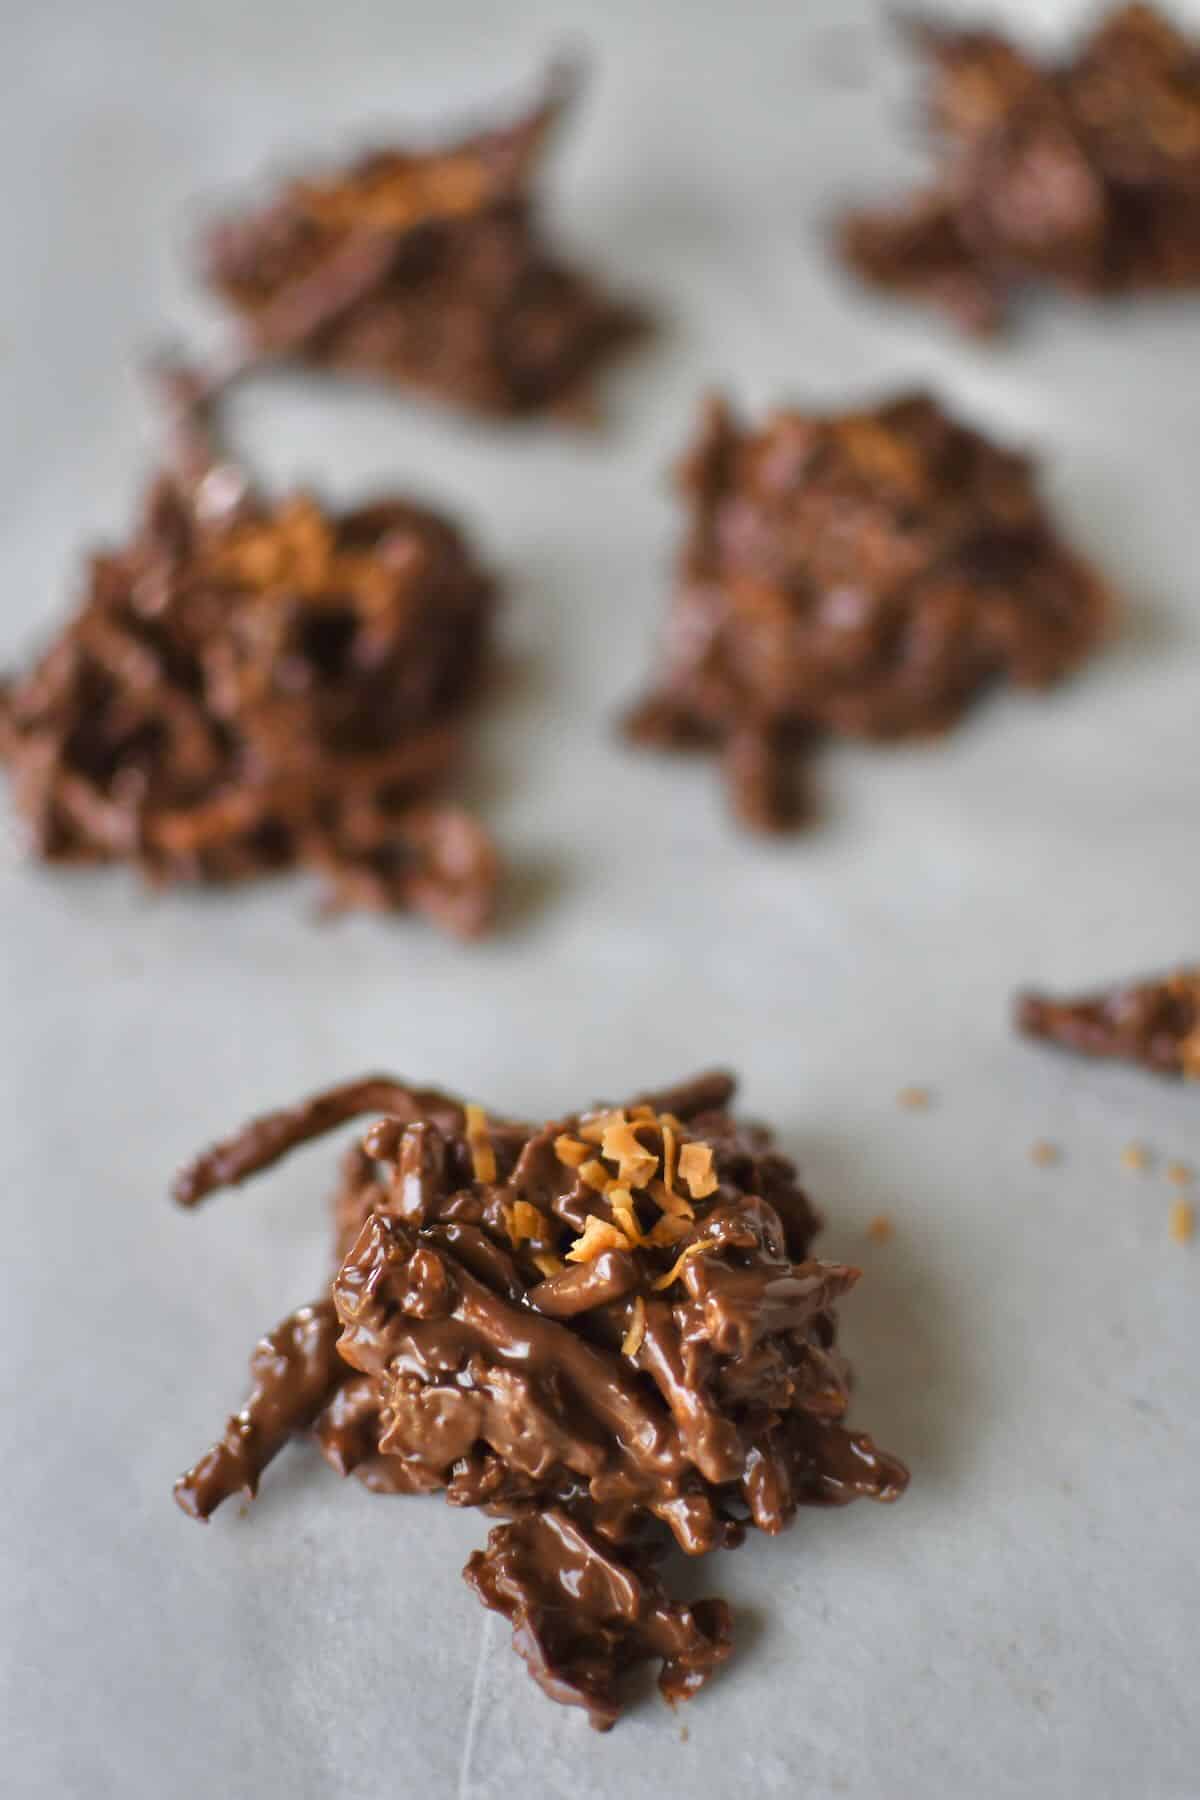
point(1025, 1623)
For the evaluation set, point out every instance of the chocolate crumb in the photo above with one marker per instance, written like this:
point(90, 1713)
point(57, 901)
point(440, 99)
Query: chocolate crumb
point(1083, 175)
point(607, 1409)
point(864, 575)
point(248, 687)
point(428, 268)
point(1153, 1022)
point(1182, 1223)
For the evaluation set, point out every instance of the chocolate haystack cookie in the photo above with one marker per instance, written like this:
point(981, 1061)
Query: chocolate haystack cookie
point(427, 268)
point(865, 574)
point(1085, 174)
point(607, 1330)
point(1156, 1023)
point(248, 687)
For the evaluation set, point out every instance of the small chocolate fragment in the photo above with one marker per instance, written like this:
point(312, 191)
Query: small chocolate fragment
point(616, 1353)
point(865, 574)
point(427, 268)
point(581, 1614)
point(1155, 1023)
point(1085, 174)
point(249, 687)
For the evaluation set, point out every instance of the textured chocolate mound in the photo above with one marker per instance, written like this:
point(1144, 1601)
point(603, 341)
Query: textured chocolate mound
point(249, 687)
point(864, 574)
point(1085, 175)
point(427, 268)
point(1156, 1023)
point(609, 1330)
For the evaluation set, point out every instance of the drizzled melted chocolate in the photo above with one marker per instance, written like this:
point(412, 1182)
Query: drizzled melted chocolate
point(609, 1330)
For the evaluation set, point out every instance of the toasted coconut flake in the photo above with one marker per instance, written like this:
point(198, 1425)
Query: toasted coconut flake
point(635, 1164)
point(1136, 1157)
point(595, 1175)
point(625, 1214)
point(676, 1204)
point(670, 1150)
point(1044, 1153)
point(643, 1115)
point(548, 1265)
point(1180, 1174)
point(631, 1343)
point(685, 1256)
point(696, 1169)
point(526, 1222)
point(570, 1151)
point(880, 1228)
point(483, 1157)
point(598, 1236)
point(595, 1125)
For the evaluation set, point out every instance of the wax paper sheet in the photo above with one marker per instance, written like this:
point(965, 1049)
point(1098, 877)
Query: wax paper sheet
point(1024, 1623)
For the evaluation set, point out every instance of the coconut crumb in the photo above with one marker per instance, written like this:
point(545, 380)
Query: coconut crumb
point(696, 1169)
point(1135, 1157)
point(916, 1099)
point(631, 1343)
point(597, 1237)
point(593, 1174)
point(1180, 1174)
point(570, 1151)
point(1182, 1221)
point(880, 1228)
point(483, 1157)
point(685, 1256)
point(1044, 1153)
